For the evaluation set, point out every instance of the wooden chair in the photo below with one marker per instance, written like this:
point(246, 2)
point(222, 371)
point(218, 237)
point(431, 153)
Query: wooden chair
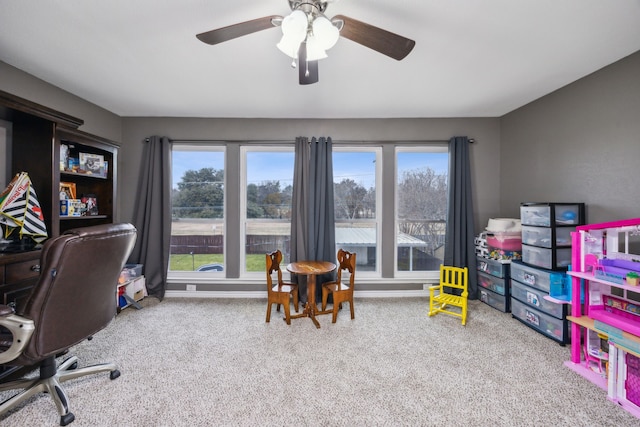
point(281, 292)
point(341, 292)
point(452, 279)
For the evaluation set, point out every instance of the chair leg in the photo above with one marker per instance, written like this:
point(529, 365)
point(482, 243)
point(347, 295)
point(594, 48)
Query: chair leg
point(49, 381)
point(287, 313)
point(295, 300)
point(464, 314)
point(268, 311)
point(325, 296)
point(431, 312)
point(353, 316)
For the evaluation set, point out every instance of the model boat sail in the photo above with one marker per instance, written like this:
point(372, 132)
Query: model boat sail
point(20, 211)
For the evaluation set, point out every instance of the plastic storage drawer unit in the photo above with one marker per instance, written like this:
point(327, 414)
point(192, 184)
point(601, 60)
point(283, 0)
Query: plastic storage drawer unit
point(496, 284)
point(536, 277)
point(556, 329)
point(493, 267)
point(535, 298)
point(499, 302)
point(549, 214)
point(551, 259)
point(543, 236)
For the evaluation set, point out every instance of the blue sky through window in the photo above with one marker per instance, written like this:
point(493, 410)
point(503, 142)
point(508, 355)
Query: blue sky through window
point(278, 166)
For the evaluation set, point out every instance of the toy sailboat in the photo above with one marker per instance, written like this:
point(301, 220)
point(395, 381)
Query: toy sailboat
point(20, 215)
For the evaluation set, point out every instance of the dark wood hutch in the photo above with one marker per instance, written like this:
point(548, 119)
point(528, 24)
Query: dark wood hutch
point(36, 137)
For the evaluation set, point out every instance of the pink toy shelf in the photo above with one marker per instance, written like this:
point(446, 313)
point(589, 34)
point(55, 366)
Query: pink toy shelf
point(605, 272)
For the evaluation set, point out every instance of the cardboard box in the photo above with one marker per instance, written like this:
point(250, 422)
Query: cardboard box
point(136, 289)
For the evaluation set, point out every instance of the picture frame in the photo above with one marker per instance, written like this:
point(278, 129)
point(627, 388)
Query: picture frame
point(64, 157)
point(67, 190)
point(91, 204)
point(92, 163)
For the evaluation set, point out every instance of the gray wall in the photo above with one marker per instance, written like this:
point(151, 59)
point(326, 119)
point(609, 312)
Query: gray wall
point(578, 144)
point(97, 121)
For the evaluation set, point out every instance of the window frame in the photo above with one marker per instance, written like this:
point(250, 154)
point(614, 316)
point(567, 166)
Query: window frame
point(176, 275)
point(244, 150)
point(430, 275)
point(377, 150)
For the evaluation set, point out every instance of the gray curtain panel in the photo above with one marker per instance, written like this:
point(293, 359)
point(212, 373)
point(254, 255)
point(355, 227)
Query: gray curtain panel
point(152, 216)
point(459, 250)
point(312, 218)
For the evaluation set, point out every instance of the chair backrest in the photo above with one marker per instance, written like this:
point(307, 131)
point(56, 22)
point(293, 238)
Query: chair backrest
point(75, 296)
point(454, 277)
point(273, 264)
point(347, 262)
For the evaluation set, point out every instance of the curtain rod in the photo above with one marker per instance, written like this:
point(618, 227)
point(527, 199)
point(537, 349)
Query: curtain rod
point(338, 141)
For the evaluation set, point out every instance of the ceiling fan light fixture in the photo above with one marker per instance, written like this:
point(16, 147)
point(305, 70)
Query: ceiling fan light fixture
point(295, 25)
point(325, 32)
point(294, 31)
point(315, 51)
point(289, 46)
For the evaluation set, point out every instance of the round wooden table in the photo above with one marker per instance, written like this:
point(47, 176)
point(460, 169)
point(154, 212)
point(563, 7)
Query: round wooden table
point(311, 269)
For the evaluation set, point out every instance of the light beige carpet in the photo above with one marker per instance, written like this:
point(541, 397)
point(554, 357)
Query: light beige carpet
point(198, 362)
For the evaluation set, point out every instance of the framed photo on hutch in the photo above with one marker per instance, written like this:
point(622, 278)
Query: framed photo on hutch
point(67, 190)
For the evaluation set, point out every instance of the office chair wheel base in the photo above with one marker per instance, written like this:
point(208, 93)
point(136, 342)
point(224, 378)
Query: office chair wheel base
point(67, 419)
point(114, 374)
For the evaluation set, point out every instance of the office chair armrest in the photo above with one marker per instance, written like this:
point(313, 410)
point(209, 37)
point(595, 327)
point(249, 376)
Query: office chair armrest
point(21, 330)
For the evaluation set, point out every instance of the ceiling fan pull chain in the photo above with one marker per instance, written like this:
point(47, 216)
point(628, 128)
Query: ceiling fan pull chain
point(306, 73)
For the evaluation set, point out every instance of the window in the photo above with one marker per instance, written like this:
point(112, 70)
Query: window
point(236, 196)
point(197, 209)
point(355, 194)
point(266, 205)
point(421, 208)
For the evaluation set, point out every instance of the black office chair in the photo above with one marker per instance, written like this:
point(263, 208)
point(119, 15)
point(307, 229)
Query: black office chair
point(75, 297)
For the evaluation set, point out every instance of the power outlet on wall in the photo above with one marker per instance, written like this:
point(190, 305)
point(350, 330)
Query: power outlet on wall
point(191, 287)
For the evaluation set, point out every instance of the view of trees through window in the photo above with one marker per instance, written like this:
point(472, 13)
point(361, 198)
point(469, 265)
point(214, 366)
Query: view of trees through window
point(197, 199)
point(421, 209)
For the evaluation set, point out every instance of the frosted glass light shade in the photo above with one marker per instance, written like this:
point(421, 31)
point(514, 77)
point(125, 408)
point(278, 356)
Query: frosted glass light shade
point(289, 46)
point(325, 32)
point(314, 49)
point(294, 31)
point(295, 25)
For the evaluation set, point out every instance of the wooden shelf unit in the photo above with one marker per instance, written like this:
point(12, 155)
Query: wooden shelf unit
point(37, 132)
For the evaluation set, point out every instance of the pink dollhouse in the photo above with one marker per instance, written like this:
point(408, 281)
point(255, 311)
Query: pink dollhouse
point(606, 308)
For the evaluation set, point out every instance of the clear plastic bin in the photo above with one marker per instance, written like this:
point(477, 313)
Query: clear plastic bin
point(536, 277)
point(552, 259)
point(542, 236)
point(547, 214)
point(535, 298)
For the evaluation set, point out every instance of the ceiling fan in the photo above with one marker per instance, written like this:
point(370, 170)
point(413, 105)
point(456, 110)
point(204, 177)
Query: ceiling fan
point(308, 33)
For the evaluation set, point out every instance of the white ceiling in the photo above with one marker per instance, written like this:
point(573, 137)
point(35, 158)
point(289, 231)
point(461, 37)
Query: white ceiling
point(473, 58)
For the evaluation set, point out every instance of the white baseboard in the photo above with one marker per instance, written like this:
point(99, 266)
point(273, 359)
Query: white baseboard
point(261, 294)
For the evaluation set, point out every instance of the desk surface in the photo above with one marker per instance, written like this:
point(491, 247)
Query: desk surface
point(311, 267)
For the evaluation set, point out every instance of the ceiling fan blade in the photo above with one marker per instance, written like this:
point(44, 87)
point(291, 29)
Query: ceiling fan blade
point(237, 30)
point(307, 70)
point(383, 41)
